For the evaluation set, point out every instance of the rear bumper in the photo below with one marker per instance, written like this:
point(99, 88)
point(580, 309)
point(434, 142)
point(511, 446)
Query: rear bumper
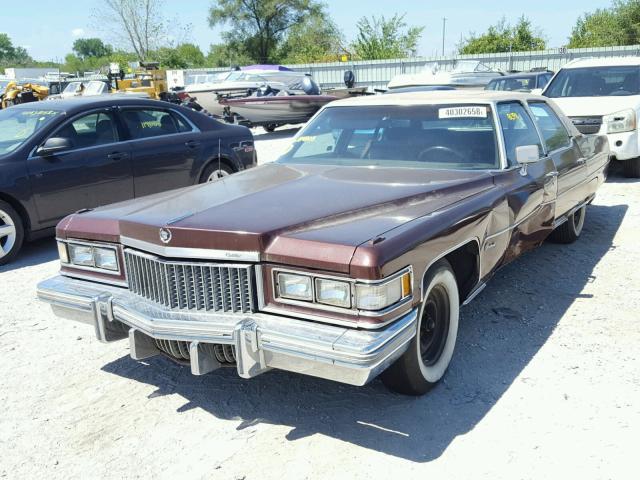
point(261, 341)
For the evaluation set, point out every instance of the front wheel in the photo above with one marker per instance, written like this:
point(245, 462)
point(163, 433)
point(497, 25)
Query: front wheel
point(570, 230)
point(631, 168)
point(424, 363)
point(11, 233)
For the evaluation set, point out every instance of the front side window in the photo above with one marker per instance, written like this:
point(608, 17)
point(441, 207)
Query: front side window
point(419, 136)
point(146, 123)
point(554, 133)
point(595, 82)
point(517, 128)
point(18, 124)
point(90, 130)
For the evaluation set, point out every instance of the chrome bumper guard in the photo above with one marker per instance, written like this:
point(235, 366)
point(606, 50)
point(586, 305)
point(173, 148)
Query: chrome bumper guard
point(261, 341)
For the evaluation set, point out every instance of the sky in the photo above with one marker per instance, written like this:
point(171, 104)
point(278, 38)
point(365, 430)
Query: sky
point(49, 35)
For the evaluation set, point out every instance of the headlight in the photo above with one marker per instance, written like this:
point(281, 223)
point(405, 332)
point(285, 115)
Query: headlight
point(382, 295)
point(623, 121)
point(105, 258)
point(81, 255)
point(333, 292)
point(97, 257)
point(349, 294)
point(295, 287)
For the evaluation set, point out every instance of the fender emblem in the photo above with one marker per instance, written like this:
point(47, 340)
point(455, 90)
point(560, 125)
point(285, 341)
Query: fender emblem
point(165, 235)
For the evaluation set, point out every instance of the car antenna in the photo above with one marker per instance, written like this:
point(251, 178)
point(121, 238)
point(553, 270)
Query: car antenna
point(219, 160)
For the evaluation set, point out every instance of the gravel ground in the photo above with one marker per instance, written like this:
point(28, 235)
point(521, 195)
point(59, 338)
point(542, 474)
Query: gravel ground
point(544, 384)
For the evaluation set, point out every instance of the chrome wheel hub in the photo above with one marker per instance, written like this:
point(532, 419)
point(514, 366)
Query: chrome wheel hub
point(217, 175)
point(7, 233)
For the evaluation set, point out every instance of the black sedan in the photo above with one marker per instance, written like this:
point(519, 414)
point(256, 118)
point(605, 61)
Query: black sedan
point(58, 157)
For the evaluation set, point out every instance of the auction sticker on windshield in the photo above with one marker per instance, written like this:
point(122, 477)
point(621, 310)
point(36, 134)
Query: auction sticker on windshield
point(463, 112)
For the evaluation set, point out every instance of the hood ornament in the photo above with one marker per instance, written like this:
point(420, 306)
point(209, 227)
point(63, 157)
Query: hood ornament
point(165, 235)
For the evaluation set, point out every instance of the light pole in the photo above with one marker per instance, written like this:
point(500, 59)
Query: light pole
point(444, 27)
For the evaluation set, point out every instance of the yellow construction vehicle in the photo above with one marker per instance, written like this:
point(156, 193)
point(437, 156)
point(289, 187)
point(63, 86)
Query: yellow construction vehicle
point(148, 78)
point(16, 93)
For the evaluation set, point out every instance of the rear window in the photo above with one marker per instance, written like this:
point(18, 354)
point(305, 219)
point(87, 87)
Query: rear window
point(146, 123)
point(595, 82)
point(427, 136)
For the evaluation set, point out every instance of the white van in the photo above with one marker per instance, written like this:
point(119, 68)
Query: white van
point(602, 96)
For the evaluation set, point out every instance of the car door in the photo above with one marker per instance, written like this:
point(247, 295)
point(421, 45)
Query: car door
point(94, 171)
point(165, 147)
point(530, 190)
point(569, 162)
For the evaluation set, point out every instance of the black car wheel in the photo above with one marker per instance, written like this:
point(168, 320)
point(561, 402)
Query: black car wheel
point(215, 172)
point(570, 230)
point(11, 233)
point(426, 360)
point(631, 168)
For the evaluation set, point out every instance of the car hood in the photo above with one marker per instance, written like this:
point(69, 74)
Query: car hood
point(293, 214)
point(587, 106)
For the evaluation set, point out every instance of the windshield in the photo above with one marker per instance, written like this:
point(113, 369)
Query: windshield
point(512, 83)
point(595, 82)
point(17, 125)
point(73, 87)
point(95, 87)
point(458, 136)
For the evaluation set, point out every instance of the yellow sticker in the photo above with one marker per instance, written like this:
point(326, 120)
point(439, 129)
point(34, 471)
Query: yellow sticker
point(308, 138)
point(151, 124)
point(513, 116)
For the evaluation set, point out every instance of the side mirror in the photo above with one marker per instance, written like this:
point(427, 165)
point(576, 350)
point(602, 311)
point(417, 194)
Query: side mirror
point(525, 155)
point(53, 145)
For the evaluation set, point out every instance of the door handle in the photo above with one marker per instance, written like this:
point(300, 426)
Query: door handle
point(192, 144)
point(117, 156)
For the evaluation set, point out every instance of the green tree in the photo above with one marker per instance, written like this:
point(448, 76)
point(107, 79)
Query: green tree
point(185, 55)
point(617, 25)
point(503, 37)
point(317, 39)
point(258, 27)
point(85, 48)
point(12, 56)
point(379, 38)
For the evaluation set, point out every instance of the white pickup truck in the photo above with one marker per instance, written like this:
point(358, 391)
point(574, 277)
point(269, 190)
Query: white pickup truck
point(602, 96)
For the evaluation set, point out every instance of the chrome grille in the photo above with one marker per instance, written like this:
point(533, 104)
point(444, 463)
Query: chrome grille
point(190, 286)
point(587, 125)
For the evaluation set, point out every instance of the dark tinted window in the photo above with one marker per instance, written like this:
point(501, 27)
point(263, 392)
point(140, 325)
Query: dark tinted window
point(553, 132)
point(90, 130)
point(517, 128)
point(595, 82)
point(146, 123)
point(513, 83)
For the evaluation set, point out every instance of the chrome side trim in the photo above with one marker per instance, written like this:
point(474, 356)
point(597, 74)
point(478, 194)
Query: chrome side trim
point(474, 294)
point(197, 253)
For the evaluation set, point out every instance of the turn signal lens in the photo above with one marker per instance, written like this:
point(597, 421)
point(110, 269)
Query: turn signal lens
point(63, 253)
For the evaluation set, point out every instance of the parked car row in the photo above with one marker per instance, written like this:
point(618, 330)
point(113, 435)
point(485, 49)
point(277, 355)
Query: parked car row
point(60, 157)
point(347, 258)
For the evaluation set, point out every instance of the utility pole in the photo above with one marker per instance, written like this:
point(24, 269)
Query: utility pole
point(444, 27)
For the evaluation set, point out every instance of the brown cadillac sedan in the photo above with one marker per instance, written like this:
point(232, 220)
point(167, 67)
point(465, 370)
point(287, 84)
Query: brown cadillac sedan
point(347, 258)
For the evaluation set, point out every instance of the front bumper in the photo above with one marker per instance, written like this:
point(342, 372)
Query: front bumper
point(261, 341)
point(623, 146)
